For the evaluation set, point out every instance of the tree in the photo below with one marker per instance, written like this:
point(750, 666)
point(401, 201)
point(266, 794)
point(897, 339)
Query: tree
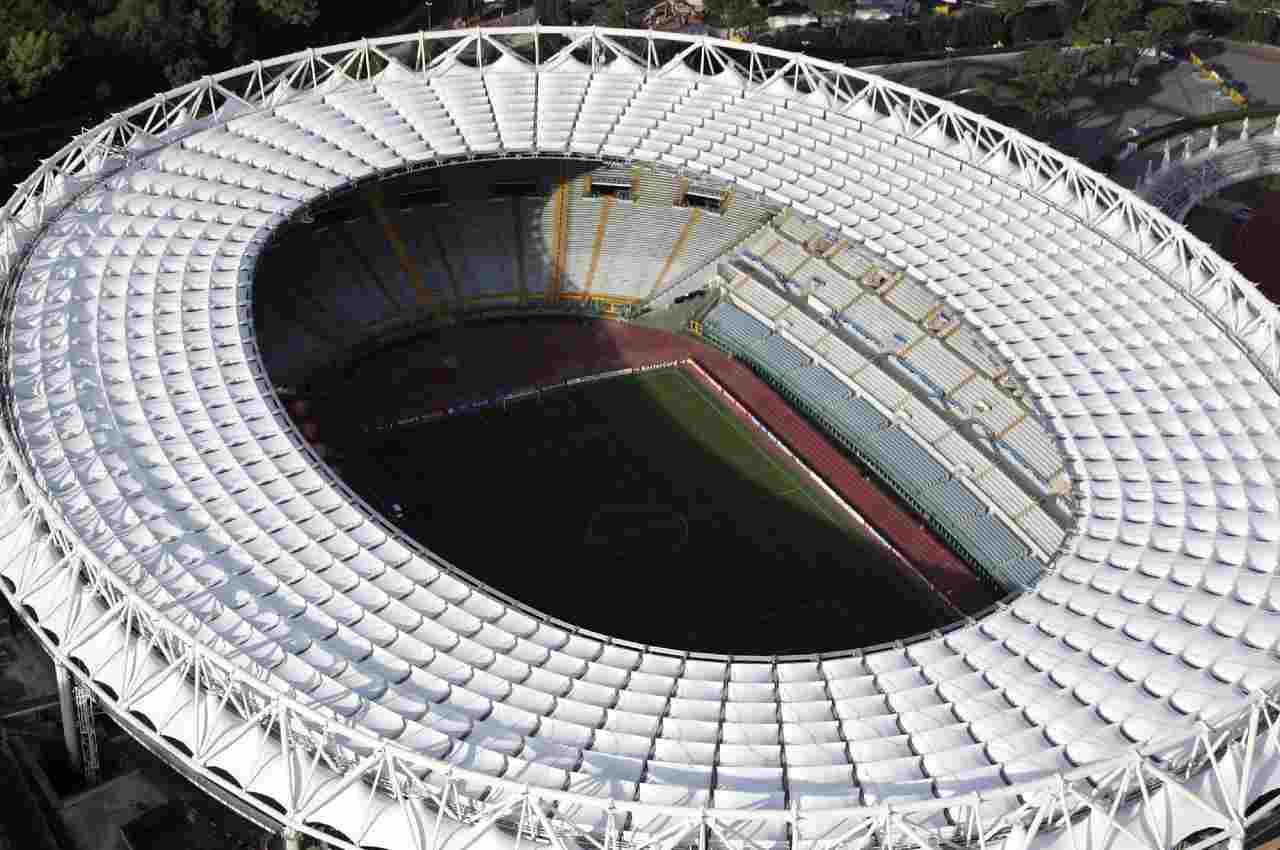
point(615, 13)
point(978, 28)
point(1048, 79)
point(832, 11)
point(162, 30)
point(1136, 44)
point(1045, 83)
point(183, 38)
point(1111, 43)
point(1010, 9)
point(296, 12)
point(735, 15)
point(1166, 23)
point(32, 57)
point(936, 33)
point(1104, 60)
point(1255, 13)
point(750, 15)
point(219, 15)
point(1106, 20)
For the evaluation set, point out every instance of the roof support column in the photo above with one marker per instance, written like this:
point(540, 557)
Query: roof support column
point(601, 226)
point(67, 707)
point(517, 221)
point(559, 238)
point(695, 215)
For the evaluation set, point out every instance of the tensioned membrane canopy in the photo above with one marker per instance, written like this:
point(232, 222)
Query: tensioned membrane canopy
point(143, 412)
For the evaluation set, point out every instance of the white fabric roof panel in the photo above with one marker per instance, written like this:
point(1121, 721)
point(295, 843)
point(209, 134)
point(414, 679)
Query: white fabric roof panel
point(573, 710)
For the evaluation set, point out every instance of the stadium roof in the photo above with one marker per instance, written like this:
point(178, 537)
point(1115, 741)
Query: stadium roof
point(167, 528)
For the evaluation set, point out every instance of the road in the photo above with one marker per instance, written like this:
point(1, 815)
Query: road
point(1103, 116)
point(913, 73)
point(1180, 92)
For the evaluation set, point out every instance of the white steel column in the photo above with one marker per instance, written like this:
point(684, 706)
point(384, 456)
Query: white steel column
point(88, 733)
point(292, 840)
point(67, 706)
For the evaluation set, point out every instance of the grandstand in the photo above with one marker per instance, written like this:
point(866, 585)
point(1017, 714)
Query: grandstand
point(475, 238)
point(478, 245)
point(876, 355)
point(1080, 395)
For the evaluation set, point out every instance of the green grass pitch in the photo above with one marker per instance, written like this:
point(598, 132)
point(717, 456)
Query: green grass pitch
point(642, 507)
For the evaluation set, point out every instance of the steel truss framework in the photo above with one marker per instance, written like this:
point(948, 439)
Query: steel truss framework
point(168, 117)
point(1144, 797)
point(1214, 772)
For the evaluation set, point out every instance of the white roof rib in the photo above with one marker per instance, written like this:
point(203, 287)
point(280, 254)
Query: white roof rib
point(146, 434)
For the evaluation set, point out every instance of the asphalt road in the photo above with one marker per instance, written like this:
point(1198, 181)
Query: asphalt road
point(1103, 116)
point(1183, 93)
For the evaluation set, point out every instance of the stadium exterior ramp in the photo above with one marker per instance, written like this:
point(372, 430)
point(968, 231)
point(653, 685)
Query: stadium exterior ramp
point(174, 542)
point(1183, 182)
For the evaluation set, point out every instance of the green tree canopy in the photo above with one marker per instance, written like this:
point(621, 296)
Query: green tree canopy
point(1045, 83)
point(1255, 13)
point(1255, 7)
point(1105, 60)
point(295, 12)
point(615, 13)
point(736, 14)
point(1168, 22)
point(183, 37)
point(1010, 9)
point(1106, 19)
point(31, 58)
point(31, 15)
point(36, 38)
point(832, 11)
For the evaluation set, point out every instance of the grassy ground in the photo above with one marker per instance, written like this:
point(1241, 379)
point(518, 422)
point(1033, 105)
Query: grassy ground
point(641, 507)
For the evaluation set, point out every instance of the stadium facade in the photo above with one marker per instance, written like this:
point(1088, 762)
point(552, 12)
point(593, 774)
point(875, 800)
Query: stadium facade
point(188, 558)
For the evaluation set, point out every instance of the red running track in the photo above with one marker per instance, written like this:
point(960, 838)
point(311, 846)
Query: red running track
point(1253, 248)
point(538, 352)
point(942, 568)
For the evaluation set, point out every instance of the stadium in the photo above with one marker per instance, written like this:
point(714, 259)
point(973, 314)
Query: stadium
point(208, 303)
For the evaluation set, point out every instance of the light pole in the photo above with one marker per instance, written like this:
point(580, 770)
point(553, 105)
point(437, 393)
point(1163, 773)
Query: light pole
point(428, 5)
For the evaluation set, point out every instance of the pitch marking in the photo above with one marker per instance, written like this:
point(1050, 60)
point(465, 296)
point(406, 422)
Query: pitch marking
point(740, 428)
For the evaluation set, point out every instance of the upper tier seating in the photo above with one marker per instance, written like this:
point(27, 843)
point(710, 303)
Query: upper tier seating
point(373, 263)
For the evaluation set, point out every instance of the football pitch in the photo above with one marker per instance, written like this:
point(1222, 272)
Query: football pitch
point(642, 507)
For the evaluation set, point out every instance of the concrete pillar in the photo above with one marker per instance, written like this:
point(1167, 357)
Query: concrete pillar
point(1168, 154)
point(1213, 138)
point(67, 705)
point(1244, 129)
point(1186, 148)
point(292, 840)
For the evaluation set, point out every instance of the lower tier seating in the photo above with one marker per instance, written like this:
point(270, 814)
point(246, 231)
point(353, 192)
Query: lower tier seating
point(941, 496)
